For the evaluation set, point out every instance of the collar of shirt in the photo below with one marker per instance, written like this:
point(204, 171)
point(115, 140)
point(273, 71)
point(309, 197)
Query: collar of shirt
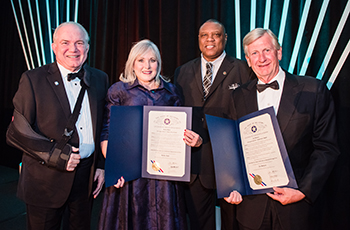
point(72, 87)
point(279, 78)
point(271, 97)
point(216, 65)
point(65, 72)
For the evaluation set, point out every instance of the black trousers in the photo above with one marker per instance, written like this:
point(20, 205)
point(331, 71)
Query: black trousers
point(200, 205)
point(271, 220)
point(75, 213)
point(228, 215)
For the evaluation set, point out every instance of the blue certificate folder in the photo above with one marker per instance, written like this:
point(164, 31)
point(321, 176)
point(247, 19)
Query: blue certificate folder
point(127, 143)
point(230, 169)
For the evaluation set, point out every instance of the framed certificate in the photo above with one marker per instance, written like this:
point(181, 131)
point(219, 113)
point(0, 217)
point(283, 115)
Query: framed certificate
point(147, 141)
point(249, 154)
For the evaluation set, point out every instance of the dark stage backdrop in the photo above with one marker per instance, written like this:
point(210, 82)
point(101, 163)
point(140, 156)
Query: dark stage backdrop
point(114, 25)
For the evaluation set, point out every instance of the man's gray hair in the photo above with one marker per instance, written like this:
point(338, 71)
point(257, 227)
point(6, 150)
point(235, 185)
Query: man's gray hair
point(256, 34)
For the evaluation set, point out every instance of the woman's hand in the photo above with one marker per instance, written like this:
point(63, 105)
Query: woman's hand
point(104, 147)
point(120, 183)
point(192, 139)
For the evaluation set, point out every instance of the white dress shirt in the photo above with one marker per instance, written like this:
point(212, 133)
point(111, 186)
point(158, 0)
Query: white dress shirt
point(84, 122)
point(216, 65)
point(272, 97)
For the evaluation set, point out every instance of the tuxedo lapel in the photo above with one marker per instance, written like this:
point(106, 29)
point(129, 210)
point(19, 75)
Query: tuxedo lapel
point(250, 97)
point(55, 80)
point(91, 90)
point(289, 100)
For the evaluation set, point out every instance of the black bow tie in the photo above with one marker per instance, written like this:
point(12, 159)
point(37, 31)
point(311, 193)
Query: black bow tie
point(80, 75)
point(262, 87)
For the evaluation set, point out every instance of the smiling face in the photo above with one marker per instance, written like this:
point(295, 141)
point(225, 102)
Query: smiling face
point(212, 40)
point(264, 58)
point(145, 68)
point(70, 47)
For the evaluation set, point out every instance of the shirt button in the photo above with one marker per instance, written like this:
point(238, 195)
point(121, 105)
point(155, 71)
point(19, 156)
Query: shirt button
point(152, 91)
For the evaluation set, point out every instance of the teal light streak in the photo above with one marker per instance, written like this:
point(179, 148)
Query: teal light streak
point(339, 66)
point(252, 14)
point(40, 33)
point(334, 41)
point(299, 36)
point(20, 35)
point(26, 35)
point(68, 10)
point(57, 14)
point(49, 26)
point(314, 36)
point(34, 32)
point(283, 21)
point(267, 14)
point(76, 10)
point(238, 29)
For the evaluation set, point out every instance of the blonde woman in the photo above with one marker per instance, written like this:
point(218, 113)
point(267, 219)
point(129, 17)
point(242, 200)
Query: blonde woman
point(143, 203)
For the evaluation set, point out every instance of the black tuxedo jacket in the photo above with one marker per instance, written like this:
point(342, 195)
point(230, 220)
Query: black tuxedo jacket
point(42, 99)
point(307, 122)
point(188, 79)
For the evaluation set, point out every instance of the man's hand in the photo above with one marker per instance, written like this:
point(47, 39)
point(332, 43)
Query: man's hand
point(234, 198)
point(74, 159)
point(286, 195)
point(100, 178)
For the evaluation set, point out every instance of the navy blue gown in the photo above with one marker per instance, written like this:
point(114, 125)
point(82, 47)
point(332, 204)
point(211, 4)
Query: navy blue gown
point(142, 204)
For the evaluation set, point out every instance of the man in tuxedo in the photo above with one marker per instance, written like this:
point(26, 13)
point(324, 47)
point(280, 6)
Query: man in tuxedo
point(46, 97)
point(305, 113)
point(206, 84)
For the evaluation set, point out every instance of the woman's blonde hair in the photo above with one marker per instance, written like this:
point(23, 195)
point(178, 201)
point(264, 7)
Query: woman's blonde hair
point(138, 49)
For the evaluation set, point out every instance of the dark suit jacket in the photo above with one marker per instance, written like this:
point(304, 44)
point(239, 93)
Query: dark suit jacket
point(42, 99)
point(307, 121)
point(188, 79)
